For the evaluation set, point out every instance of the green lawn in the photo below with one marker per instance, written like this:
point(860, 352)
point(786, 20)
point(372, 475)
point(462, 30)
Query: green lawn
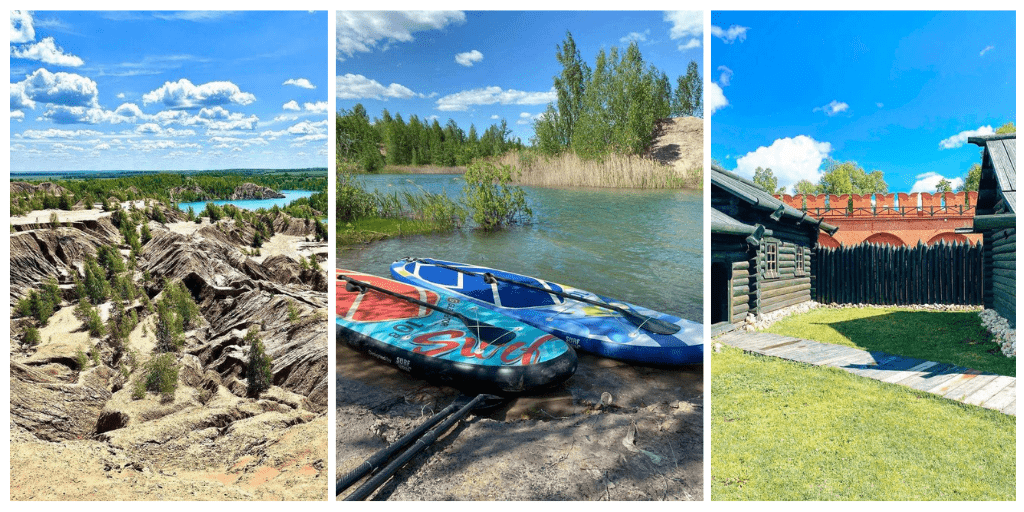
point(946, 337)
point(788, 431)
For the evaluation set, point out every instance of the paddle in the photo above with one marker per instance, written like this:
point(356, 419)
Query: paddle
point(363, 491)
point(647, 323)
point(488, 333)
point(375, 461)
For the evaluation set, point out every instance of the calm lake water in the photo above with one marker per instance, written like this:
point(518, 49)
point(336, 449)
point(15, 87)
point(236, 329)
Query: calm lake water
point(641, 246)
point(251, 204)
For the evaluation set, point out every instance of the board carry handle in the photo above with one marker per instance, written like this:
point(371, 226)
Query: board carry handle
point(365, 490)
point(490, 334)
point(647, 323)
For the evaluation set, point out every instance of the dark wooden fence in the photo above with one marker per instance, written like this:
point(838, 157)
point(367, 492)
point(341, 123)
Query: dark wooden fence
point(943, 273)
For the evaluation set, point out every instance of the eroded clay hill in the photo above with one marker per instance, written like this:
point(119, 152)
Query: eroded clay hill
point(78, 433)
point(679, 142)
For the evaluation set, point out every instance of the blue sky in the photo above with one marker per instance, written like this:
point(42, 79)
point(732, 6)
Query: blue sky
point(896, 92)
point(168, 90)
point(480, 67)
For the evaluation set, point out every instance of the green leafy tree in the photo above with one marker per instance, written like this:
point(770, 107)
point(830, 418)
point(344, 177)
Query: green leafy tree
point(570, 86)
point(943, 186)
point(849, 178)
point(1007, 128)
point(765, 179)
point(806, 187)
point(689, 96)
point(159, 375)
point(258, 370)
point(32, 337)
point(973, 179)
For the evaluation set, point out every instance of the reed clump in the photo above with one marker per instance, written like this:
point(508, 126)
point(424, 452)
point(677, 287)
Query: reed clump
point(611, 171)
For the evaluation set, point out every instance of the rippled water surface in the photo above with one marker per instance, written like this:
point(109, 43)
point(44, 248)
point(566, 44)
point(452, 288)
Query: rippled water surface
point(640, 246)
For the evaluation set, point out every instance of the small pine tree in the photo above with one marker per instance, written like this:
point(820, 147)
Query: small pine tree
point(146, 234)
point(258, 370)
point(32, 336)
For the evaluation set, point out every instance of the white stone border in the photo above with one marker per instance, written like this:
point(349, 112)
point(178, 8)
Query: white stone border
point(1001, 331)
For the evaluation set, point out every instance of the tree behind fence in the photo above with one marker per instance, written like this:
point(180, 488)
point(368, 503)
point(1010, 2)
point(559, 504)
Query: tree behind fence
point(943, 273)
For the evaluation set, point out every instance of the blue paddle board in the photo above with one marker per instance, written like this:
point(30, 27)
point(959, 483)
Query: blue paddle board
point(585, 326)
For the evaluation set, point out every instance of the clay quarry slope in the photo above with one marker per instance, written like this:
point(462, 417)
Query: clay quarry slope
point(77, 433)
point(679, 142)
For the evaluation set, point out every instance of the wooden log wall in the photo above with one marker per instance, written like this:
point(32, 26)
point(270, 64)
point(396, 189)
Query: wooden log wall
point(943, 273)
point(789, 287)
point(1001, 271)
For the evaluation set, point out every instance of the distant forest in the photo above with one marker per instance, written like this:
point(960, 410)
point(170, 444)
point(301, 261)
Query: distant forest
point(393, 141)
point(169, 188)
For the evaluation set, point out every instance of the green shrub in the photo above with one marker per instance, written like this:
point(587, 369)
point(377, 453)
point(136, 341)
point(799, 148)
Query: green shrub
point(257, 371)
point(139, 389)
point(95, 323)
point(32, 336)
point(494, 202)
point(161, 374)
point(293, 312)
point(81, 359)
point(146, 234)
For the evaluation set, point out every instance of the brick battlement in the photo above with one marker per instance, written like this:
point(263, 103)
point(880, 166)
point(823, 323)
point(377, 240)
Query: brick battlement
point(895, 219)
point(828, 206)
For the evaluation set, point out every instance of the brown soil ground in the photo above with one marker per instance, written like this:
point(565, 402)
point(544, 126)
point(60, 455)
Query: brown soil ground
point(562, 445)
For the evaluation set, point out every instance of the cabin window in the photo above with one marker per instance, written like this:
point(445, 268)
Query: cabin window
point(771, 260)
point(800, 269)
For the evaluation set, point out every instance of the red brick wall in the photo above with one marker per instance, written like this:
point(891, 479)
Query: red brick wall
point(896, 219)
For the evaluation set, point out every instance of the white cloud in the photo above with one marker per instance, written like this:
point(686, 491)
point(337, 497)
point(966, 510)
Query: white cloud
point(961, 138)
point(986, 50)
point(291, 105)
point(495, 116)
point(318, 107)
point(285, 117)
point(689, 45)
point(360, 31)
point(48, 52)
point(312, 137)
point(120, 96)
point(926, 182)
point(299, 82)
point(64, 148)
point(725, 77)
point(469, 58)
point(60, 114)
point(308, 128)
point(790, 159)
point(687, 25)
point(834, 107)
point(879, 105)
point(526, 118)
point(21, 27)
point(635, 36)
point(184, 94)
point(491, 95)
point(714, 98)
point(148, 128)
point(198, 16)
point(65, 89)
point(100, 147)
point(731, 34)
point(354, 87)
point(17, 115)
point(54, 133)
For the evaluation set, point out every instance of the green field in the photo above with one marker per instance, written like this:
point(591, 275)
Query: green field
point(788, 431)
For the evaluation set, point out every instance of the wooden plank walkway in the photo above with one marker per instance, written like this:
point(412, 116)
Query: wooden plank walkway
point(996, 392)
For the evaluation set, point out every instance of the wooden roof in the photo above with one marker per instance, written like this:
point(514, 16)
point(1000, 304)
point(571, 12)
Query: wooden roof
point(724, 224)
point(998, 167)
point(749, 192)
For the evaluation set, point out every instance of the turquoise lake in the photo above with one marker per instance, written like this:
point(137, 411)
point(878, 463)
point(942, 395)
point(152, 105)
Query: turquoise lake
point(251, 204)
